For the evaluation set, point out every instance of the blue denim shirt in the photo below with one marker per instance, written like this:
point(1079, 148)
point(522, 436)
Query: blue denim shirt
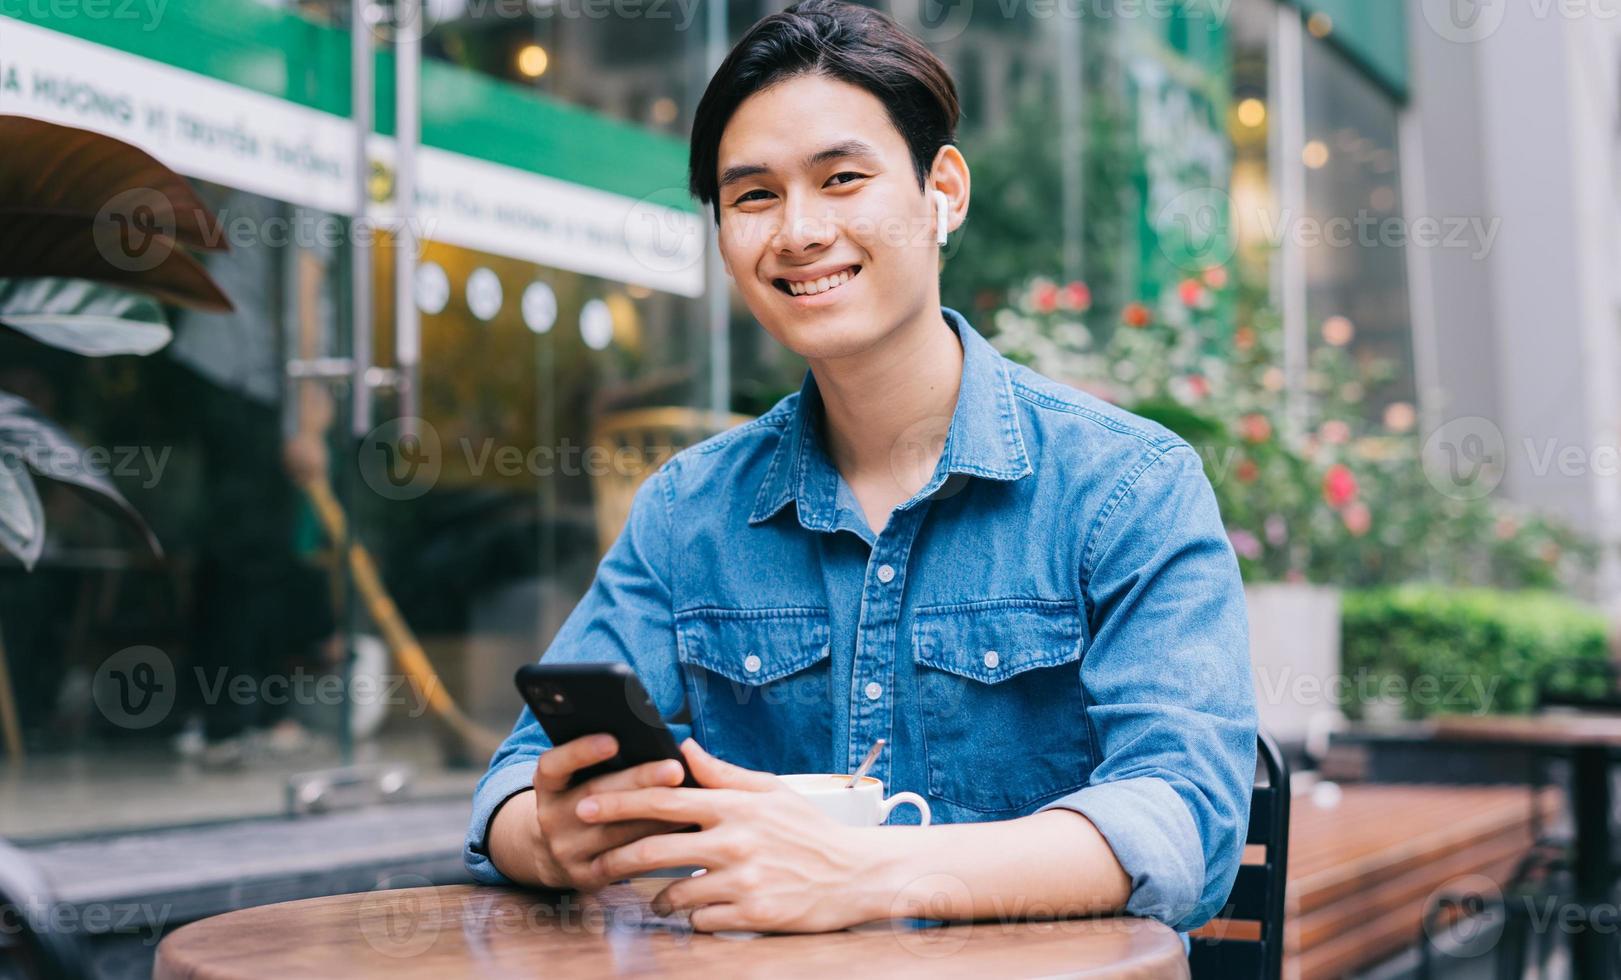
point(1054, 620)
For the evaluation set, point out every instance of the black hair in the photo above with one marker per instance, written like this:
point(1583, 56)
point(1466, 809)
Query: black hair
point(840, 40)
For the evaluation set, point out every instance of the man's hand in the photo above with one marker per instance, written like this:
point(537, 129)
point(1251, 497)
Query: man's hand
point(774, 862)
point(536, 838)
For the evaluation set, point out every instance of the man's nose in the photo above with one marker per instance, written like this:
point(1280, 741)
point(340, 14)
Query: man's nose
point(802, 229)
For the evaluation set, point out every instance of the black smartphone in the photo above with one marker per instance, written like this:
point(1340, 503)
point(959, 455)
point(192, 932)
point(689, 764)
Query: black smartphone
point(574, 700)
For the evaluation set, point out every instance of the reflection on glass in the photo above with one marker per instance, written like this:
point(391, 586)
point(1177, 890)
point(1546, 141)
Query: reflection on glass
point(1356, 262)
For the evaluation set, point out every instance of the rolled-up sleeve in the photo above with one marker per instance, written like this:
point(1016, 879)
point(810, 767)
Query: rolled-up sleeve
point(1169, 697)
point(624, 617)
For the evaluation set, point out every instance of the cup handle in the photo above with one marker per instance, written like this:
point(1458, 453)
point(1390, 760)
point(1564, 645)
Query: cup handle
point(900, 798)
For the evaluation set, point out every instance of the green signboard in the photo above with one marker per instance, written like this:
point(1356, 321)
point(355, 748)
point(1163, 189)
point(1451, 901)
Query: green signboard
point(1372, 32)
point(284, 55)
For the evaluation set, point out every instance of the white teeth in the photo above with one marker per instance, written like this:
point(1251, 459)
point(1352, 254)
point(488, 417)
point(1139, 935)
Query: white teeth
point(822, 285)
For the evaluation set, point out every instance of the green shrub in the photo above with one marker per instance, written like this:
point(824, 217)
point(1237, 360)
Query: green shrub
point(1443, 651)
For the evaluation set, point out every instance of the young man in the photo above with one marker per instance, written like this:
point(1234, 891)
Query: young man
point(1027, 592)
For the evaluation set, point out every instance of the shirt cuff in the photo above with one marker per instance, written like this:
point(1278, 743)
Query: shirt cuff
point(493, 790)
point(1153, 836)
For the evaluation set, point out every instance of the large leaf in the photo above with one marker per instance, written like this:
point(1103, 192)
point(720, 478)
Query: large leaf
point(22, 519)
point(78, 204)
point(40, 444)
point(83, 317)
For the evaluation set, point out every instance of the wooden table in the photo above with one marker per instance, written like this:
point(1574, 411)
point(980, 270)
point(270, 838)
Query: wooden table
point(466, 930)
point(1590, 741)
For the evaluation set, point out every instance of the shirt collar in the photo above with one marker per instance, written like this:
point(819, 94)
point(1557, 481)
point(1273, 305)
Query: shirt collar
point(983, 439)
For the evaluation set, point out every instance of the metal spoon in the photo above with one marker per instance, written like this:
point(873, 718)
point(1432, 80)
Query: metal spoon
point(872, 756)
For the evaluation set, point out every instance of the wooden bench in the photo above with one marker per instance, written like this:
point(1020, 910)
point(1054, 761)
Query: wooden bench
point(1362, 871)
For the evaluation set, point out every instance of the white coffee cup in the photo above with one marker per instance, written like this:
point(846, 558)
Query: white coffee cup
point(861, 805)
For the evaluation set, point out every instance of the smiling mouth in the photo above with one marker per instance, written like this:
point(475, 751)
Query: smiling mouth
point(815, 287)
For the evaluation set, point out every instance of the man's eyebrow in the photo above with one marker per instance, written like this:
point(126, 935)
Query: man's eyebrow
point(844, 148)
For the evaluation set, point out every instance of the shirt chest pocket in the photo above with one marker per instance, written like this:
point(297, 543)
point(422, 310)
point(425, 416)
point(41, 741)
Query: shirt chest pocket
point(1002, 714)
point(758, 682)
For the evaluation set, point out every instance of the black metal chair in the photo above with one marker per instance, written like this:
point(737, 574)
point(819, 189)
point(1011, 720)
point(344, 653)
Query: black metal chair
point(1257, 895)
point(29, 945)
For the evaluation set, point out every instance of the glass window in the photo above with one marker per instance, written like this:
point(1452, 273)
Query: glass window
point(1355, 255)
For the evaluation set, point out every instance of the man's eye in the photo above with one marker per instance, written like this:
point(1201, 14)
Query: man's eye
point(750, 196)
point(845, 177)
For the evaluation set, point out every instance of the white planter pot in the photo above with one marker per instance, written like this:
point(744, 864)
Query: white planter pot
point(1295, 657)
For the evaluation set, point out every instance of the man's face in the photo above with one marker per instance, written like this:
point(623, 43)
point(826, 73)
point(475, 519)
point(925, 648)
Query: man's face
point(822, 222)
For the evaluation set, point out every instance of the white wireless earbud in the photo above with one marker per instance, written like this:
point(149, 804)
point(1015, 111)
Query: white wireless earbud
point(942, 216)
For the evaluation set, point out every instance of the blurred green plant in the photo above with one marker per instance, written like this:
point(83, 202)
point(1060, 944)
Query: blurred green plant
point(1334, 498)
point(1436, 650)
point(88, 219)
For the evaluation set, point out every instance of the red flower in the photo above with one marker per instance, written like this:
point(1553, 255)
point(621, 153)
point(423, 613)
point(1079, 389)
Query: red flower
point(1192, 292)
point(1244, 338)
point(1045, 298)
point(1247, 471)
point(1216, 277)
point(1076, 296)
point(1339, 486)
point(1255, 427)
point(1136, 315)
point(1198, 386)
point(1358, 519)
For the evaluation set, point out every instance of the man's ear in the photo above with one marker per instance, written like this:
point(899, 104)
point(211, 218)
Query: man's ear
point(949, 175)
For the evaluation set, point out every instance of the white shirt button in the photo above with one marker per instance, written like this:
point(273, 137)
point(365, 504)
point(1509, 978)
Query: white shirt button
point(874, 690)
point(751, 663)
point(885, 573)
point(826, 649)
point(991, 659)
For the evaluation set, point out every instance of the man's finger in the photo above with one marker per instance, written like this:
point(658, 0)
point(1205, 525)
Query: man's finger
point(658, 852)
point(665, 772)
point(709, 888)
point(596, 840)
point(677, 804)
point(724, 917)
point(711, 771)
point(556, 765)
